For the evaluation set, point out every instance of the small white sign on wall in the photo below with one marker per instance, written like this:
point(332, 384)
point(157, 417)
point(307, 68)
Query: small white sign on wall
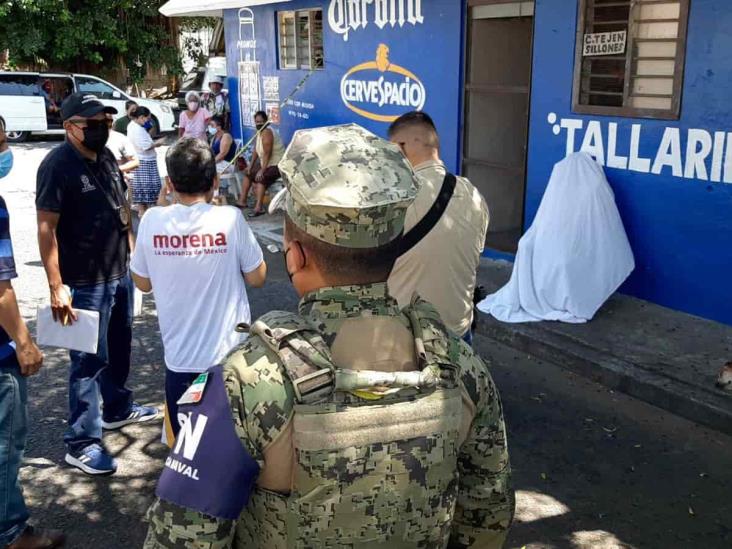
point(604, 43)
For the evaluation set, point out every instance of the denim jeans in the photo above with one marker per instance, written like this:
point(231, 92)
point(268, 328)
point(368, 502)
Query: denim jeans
point(13, 430)
point(101, 378)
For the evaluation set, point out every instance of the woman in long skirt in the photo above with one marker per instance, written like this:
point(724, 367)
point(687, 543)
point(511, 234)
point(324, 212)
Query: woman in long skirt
point(146, 184)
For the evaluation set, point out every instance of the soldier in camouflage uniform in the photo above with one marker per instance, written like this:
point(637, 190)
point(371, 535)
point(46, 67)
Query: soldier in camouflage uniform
point(352, 424)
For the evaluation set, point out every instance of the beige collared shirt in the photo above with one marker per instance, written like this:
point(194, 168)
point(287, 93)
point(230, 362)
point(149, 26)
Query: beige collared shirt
point(442, 267)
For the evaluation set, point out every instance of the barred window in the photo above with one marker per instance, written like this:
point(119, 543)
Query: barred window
point(300, 35)
point(630, 57)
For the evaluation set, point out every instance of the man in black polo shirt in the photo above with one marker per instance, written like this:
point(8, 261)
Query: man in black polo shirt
point(84, 238)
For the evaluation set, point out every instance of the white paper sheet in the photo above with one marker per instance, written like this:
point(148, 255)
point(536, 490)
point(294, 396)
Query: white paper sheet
point(137, 306)
point(82, 335)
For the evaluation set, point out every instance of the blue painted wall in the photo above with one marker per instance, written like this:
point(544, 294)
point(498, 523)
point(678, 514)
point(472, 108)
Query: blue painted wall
point(680, 228)
point(431, 50)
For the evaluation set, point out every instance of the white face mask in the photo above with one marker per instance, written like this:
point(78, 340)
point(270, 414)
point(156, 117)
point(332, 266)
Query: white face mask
point(212, 130)
point(192, 106)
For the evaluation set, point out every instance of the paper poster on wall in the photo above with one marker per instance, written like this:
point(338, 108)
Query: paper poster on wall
point(271, 87)
point(273, 112)
point(249, 92)
point(604, 43)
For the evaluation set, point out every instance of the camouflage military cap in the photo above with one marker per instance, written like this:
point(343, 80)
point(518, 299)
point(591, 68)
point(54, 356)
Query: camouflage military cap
point(346, 186)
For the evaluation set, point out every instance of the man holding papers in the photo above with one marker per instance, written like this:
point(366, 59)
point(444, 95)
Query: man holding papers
point(19, 358)
point(84, 238)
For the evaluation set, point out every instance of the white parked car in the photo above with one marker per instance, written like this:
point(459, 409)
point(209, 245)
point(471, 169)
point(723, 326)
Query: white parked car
point(30, 102)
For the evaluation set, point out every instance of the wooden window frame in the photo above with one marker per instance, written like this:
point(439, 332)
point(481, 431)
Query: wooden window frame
point(294, 15)
point(625, 111)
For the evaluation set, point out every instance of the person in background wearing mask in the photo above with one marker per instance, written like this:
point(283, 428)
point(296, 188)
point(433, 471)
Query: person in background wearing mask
point(120, 125)
point(224, 149)
point(193, 121)
point(122, 150)
point(84, 237)
point(263, 170)
point(217, 101)
point(19, 358)
point(146, 185)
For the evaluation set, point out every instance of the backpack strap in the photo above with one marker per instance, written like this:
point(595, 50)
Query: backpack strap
point(304, 354)
point(431, 218)
point(437, 349)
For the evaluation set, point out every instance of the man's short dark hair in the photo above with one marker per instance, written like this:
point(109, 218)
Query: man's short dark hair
point(191, 166)
point(129, 103)
point(412, 119)
point(347, 265)
point(262, 114)
point(140, 111)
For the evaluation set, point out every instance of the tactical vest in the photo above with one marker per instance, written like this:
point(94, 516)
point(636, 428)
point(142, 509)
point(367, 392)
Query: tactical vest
point(375, 452)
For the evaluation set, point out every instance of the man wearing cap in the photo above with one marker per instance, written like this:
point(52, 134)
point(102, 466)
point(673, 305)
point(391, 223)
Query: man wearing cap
point(352, 423)
point(217, 100)
point(84, 238)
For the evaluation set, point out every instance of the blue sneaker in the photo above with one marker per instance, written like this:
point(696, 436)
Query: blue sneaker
point(138, 414)
point(93, 460)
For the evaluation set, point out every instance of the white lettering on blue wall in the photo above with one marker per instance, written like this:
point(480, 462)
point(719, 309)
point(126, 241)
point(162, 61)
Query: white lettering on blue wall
point(345, 16)
point(706, 156)
point(381, 92)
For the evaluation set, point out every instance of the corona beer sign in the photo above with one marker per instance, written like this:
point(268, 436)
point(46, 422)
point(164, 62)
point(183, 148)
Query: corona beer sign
point(381, 91)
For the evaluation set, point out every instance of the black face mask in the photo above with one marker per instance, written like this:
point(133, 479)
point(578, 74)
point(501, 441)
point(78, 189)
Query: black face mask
point(259, 126)
point(96, 134)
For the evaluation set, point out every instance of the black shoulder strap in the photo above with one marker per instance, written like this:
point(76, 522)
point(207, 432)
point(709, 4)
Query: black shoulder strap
point(428, 222)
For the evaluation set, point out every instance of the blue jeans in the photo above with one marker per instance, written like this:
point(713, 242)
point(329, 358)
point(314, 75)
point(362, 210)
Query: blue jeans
point(13, 430)
point(101, 378)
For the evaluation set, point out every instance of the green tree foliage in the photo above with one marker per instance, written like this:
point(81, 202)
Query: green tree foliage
point(72, 34)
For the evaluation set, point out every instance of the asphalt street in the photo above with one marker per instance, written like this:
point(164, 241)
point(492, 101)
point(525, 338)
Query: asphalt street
point(593, 468)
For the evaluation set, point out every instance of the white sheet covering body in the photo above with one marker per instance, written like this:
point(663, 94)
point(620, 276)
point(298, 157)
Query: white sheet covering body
point(574, 255)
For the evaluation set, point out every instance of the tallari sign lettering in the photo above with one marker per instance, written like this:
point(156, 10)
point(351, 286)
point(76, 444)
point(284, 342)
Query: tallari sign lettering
point(350, 15)
point(381, 91)
point(707, 156)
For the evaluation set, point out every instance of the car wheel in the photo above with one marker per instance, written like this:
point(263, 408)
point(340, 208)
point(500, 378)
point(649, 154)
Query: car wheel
point(16, 136)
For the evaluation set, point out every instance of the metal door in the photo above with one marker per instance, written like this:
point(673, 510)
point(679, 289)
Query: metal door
point(497, 90)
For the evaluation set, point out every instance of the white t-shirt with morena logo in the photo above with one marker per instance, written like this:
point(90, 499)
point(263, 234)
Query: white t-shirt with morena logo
point(195, 256)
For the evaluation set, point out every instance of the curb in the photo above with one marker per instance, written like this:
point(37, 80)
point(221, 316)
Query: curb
point(691, 402)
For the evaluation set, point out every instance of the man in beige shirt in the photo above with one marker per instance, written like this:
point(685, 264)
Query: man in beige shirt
point(442, 267)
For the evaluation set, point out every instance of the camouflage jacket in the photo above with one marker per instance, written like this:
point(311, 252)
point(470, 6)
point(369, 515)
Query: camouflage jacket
point(260, 402)
point(216, 105)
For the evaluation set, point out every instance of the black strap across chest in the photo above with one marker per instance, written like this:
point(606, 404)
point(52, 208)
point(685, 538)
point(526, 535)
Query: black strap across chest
point(431, 218)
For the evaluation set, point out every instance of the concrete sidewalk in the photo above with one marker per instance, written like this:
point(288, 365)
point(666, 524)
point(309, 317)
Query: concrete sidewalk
point(664, 357)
